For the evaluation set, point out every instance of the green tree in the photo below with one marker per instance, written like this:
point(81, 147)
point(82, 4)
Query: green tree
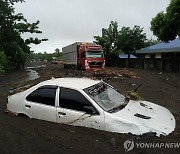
point(3, 62)
point(129, 40)
point(57, 50)
point(57, 54)
point(126, 40)
point(166, 25)
point(12, 25)
point(108, 38)
point(46, 56)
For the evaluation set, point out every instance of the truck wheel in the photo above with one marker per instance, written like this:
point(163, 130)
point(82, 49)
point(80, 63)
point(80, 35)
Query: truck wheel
point(79, 67)
point(73, 67)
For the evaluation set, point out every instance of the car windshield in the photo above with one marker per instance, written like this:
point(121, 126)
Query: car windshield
point(94, 54)
point(106, 97)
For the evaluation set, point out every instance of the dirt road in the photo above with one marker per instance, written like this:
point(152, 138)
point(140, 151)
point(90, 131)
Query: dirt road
point(24, 135)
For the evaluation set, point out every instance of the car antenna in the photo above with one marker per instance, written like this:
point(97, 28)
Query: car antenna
point(137, 88)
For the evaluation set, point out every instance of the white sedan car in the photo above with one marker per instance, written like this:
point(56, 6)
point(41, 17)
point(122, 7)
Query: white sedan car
point(90, 103)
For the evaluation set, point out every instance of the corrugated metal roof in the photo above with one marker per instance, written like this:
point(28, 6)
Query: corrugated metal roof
point(125, 56)
point(173, 46)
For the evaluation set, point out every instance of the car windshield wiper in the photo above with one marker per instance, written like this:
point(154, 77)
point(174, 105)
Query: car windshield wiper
point(119, 107)
point(115, 108)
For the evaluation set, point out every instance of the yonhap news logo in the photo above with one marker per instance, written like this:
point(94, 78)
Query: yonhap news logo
point(130, 144)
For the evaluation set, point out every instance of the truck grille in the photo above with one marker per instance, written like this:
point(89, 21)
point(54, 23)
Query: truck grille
point(95, 64)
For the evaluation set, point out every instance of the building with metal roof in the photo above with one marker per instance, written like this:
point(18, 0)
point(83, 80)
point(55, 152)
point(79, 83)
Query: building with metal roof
point(172, 46)
point(125, 56)
point(162, 56)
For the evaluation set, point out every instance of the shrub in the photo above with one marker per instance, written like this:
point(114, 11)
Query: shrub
point(3, 63)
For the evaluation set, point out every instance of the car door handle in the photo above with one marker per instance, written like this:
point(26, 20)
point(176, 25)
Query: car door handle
point(62, 113)
point(28, 106)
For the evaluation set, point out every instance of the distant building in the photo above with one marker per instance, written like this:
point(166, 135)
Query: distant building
point(125, 56)
point(162, 56)
point(123, 61)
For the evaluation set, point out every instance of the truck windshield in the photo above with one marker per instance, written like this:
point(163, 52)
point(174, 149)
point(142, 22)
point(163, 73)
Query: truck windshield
point(94, 54)
point(106, 97)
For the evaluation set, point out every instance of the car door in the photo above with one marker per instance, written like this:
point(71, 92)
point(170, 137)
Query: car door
point(40, 104)
point(76, 109)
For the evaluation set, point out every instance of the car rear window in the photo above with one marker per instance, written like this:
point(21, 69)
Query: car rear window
point(44, 95)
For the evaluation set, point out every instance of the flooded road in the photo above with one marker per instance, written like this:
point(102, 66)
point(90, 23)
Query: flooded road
point(32, 74)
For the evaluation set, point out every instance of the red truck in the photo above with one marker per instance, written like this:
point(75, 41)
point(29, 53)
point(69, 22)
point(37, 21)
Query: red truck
point(86, 56)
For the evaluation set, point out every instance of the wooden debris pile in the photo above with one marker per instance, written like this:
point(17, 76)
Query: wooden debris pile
point(122, 74)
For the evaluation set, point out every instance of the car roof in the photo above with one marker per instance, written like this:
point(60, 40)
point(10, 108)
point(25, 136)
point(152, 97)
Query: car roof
point(75, 83)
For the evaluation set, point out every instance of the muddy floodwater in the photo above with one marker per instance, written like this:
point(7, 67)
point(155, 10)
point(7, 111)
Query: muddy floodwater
point(23, 135)
point(32, 74)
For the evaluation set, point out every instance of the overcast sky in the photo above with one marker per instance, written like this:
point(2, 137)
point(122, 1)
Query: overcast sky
point(68, 21)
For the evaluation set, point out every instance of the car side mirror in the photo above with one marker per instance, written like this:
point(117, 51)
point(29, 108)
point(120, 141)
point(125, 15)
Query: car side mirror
point(90, 109)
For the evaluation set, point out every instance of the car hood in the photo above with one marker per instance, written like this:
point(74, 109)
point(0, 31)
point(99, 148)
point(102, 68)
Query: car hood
point(141, 117)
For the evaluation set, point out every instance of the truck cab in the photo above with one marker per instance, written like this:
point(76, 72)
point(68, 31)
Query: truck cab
point(90, 57)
